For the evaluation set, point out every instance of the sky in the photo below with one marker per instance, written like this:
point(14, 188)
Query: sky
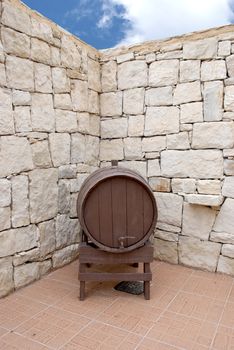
point(109, 23)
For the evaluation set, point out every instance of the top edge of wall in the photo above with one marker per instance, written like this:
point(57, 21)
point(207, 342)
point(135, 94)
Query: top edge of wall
point(33, 13)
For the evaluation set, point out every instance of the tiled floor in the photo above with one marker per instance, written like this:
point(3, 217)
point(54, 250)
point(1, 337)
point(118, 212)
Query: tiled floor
point(189, 309)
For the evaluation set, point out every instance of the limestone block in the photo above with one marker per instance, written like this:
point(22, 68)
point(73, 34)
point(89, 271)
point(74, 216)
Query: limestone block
point(92, 150)
point(83, 123)
point(11, 244)
point(60, 148)
point(26, 274)
point(133, 101)
point(169, 55)
point(183, 185)
point(111, 104)
point(73, 212)
point(150, 57)
point(5, 218)
point(78, 182)
point(186, 127)
point(61, 82)
point(152, 144)
point(225, 265)
point(22, 118)
point(45, 267)
point(20, 202)
point(64, 256)
point(15, 155)
point(230, 65)
point(47, 237)
point(153, 168)
point(77, 148)
point(64, 197)
point(94, 75)
point(222, 237)
point(178, 141)
point(161, 120)
point(228, 98)
point(189, 70)
point(213, 100)
point(15, 43)
point(29, 255)
point(43, 194)
point(191, 112)
point(197, 221)
point(67, 231)
point(40, 51)
point(166, 251)
point(63, 101)
point(132, 148)
point(94, 125)
point(224, 48)
point(213, 70)
point(161, 96)
point(6, 276)
point(108, 76)
point(224, 221)
point(79, 95)
point(160, 184)
point(163, 73)
point(111, 149)
point(21, 98)
point(41, 30)
point(152, 155)
point(196, 253)
point(228, 187)
point(6, 113)
point(200, 49)
point(41, 154)
point(125, 57)
point(187, 92)
point(138, 166)
point(5, 193)
point(169, 208)
point(42, 112)
point(136, 124)
point(228, 250)
point(209, 186)
point(203, 164)
point(213, 135)
point(204, 199)
point(66, 121)
point(228, 167)
point(2, 54)
point(114, 128)
point(228, 152)
point(70, 55)
point(3, 81)
point(43, 81)
point(15, 18)
point(67, 172)
point(55, 56)
point(93, 102)
point(166, 236)
point(132, 74)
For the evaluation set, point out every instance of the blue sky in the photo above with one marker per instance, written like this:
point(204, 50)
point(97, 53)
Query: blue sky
point(107, 23)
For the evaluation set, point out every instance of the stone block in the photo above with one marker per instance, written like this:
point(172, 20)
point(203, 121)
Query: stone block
point(93, 102)
point(60, 148)
point(136, 124)
point(226, 265)
point(153, 168)
point(94, 125)
point(41, 30)
point(15, 18)
point(114, 128)
point(20, 73)
point(5, 193)
point(228, 98)
point(196, 253)
point(213, 70)
point(222, 237)
point(25, 257)
point(63, 101)
point(161, 96)
point(203, 164)
point(64, 256)
point(67, 231)
point(15, 43)
point(125, 57)
point(6, 276)
point(209, 187)
point(111, 104)
point(224, 48)
point(61, 83)
point(108, 76)
point(92, 150)
point(228, 250)
point(3, 81)
point(42, 112)
point(41, 154)
point(224, 220)
point(5, 218)
point(178, 141)
point(83, 122)
point(161, 120)
point(43, 81)
point(55, 56)
point(21, 98)
point(77, 148)
point(204, 199)
point(45, 267)
point(162, 73)
point(26, 273)
point(213, 135)
point(166, 251)
point(133, 101)
point(187, 92)
point(230, 65)
point(64, 198)
point(40, 51)
point(18, 240)
point(200, 49)
point(160, 184)
point(111, 150)
point(150, 57)
point(169, 208)
point(132, 148)
point(191, 112)
point(79, 95)
point(229, 167)
point(183, 185)
point(47, 237)
point(213, 101)
point(228, 187)
point(78, 182)
point(22, 118)
point(189, 70)
point(6, 113)
point(20, 202)
point(66, 121)
point(197, 221)
point(153, 144)
point(70, 55)
point(138, 166)
point(94, 75)
point(132, 74)
point(43, 194)
point(15, 155)
point(166, 236)
point(67, 172)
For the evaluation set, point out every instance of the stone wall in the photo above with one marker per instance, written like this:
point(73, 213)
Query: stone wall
point(167, 111)
point(49, 142)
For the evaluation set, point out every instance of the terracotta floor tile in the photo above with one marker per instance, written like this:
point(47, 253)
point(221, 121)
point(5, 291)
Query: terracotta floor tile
point(20, 343)
point(149, 344)
point(231, 295)
point(224, 339)
point(228, 315)
point(170, 276)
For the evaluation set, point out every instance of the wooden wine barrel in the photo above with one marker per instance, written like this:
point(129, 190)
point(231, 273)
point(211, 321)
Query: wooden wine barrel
point(117, 209)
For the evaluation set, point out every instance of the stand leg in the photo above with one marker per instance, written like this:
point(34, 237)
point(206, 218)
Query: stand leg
point(147, 283)
point(82, 283)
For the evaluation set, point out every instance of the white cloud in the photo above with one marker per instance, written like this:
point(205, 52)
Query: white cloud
point(157, 19)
